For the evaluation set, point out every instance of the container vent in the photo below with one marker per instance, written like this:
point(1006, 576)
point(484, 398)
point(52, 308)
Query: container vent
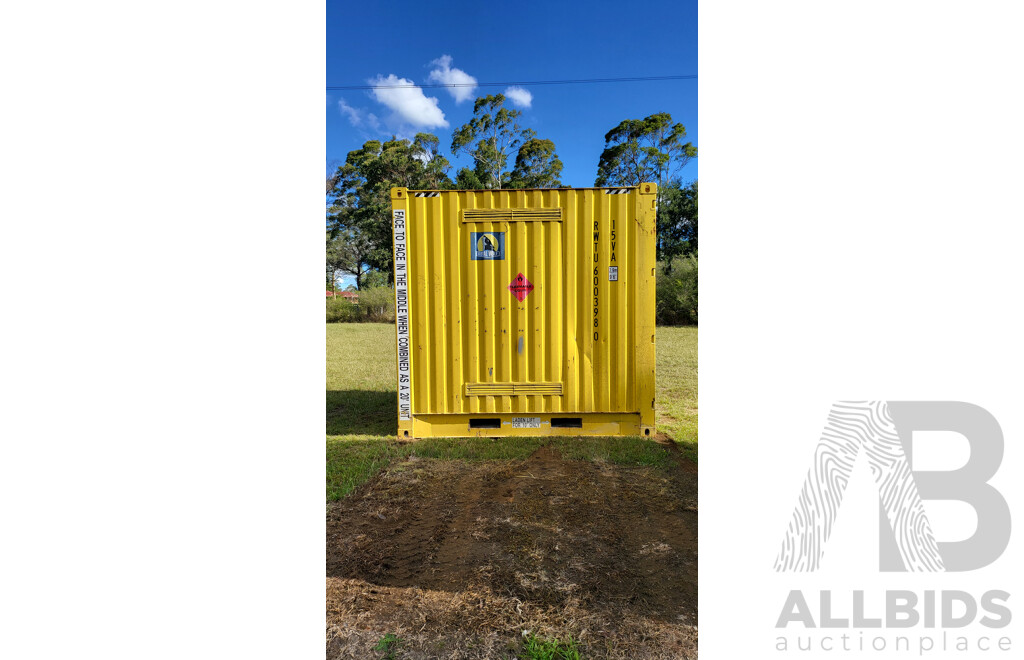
point(512, 215)
point(513, 389)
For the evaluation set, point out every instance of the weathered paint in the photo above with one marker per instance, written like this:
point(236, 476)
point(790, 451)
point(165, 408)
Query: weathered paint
point(580, 343)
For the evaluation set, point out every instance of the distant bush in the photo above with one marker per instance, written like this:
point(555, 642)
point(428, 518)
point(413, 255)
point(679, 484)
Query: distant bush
point(676, 293)
point(376, 304)
point(340, 310)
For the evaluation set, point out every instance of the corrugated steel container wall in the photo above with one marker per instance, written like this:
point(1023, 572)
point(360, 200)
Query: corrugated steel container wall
point(580, 341)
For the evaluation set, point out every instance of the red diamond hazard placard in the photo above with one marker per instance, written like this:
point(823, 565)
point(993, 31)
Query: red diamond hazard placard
point(520, 287)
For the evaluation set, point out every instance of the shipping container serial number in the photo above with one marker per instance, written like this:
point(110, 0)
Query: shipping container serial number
point(526, 422)
point(613, 272)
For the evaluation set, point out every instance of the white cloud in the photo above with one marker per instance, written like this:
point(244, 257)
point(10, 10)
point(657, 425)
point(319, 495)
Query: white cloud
point(408, 102)
point(519, 96)
point(353, 115)
point(360, 118)
point(446, 75)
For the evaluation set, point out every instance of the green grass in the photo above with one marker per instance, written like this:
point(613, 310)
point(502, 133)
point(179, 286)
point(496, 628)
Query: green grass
point(503, 449)
point(619, 450)
point(351, 460)
point(537, 648)
point(676, 387)
point(361, 376)
point(389, 643)
point(361, 356)
point(361, 417)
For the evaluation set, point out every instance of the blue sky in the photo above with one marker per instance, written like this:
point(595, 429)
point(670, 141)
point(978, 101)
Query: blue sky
point(498, 42)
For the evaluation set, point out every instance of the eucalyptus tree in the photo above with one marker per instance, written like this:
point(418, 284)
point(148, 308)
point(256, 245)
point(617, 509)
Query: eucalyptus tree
point(491, 137)
point(537, 166)
point(359, 193)
point(653, 149)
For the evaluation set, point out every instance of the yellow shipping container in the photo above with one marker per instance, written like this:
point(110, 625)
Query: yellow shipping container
point(525, 312)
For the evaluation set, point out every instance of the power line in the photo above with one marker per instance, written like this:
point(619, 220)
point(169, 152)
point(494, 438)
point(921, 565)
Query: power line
point(530, 82)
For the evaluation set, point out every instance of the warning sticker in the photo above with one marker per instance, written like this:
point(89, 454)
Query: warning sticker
point(526, 422)
point(487, 245)
point(520, 287)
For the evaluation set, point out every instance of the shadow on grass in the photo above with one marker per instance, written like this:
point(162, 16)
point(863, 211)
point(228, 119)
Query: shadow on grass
point(362, 412)
point(689, 450)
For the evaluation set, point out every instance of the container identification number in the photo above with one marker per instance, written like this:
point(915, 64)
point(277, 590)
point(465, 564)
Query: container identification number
point(613, 271)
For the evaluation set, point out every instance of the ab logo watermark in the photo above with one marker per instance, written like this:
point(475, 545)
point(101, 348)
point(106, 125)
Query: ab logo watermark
point(882, 430)
point(899, 619)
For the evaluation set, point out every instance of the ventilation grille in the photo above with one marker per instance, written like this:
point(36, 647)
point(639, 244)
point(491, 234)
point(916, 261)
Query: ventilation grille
point(511, 215)
point(513, 389)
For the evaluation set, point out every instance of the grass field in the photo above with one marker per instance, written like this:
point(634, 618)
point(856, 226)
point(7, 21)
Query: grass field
point(361, 415)
point(676, 388)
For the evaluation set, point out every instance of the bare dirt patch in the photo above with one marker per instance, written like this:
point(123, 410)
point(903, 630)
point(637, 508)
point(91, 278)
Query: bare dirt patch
point(459, 558)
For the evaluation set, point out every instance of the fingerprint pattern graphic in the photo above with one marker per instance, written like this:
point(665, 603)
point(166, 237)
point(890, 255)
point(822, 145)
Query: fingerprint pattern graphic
point(853, 425)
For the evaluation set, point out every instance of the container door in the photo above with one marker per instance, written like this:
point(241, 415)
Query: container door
point(514, 308)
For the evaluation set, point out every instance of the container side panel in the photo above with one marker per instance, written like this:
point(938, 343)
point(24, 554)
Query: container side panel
point(517, 326)
point(554, 312)
point(645, 354)
point(575, 335)
point(590, 222)
point(608, 348)
point(571, 305)
point(552, 261)
point(437, 277)
point(476, 334)
point(603, 205)
point(453, 231)
point(620, 299)
point(536, 303)
point(507, 403)
point(628, 278)
point(494, 314)
point(484, 294)
point(422, 312)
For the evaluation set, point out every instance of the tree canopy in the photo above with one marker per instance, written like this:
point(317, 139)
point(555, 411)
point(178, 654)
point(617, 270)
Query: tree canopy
point(649, 149)
point(652, 149)
point(678, 214)
point(347, 252)
point(490, 138)
point(537, 166)
point(359, 193)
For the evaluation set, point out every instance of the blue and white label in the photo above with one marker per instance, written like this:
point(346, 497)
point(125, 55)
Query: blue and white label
point(487, 245)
